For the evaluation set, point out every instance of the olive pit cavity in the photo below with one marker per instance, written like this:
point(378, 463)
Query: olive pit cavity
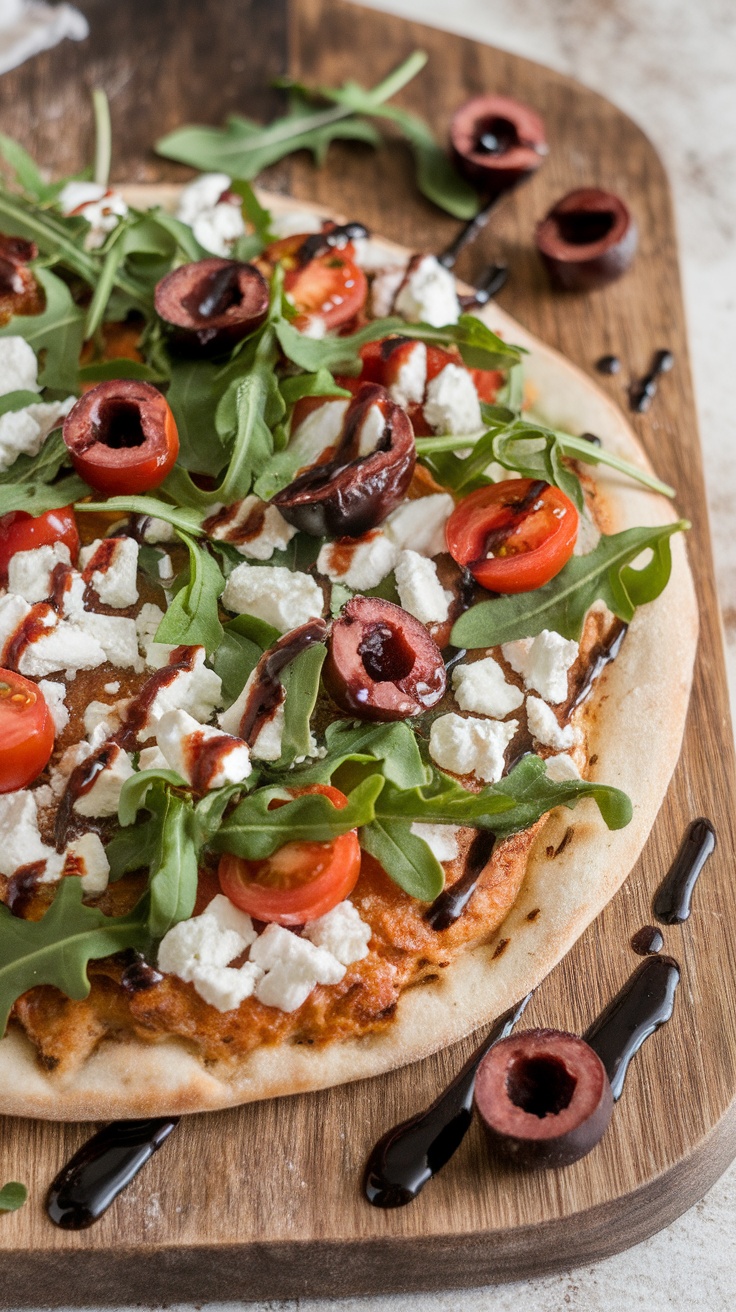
point(119, 425)
point(540, 1086)
point(386, 655)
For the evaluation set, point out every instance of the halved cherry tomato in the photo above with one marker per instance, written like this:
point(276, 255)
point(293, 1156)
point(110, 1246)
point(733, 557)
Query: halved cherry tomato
point(300, 881)
point(122, 437)
point(331, 287)
point(20, 531)
point(513, 536)
point(26, 731)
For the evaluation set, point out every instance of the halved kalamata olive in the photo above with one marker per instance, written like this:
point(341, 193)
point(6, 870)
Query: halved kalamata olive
point(588, 239)
point(122, 437)
point(19, 291)
point(366, 478)
point(543, 1097)
point(381, 662)
point(212, 304)
point(497, 142)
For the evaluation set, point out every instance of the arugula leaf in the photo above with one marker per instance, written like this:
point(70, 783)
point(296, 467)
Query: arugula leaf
point(235, 660)
point(58, 331)
point(578, 448)
point(479, 347)
point(135, 235)
point(258, 217)
point(25, 171)
point(192, 617)
point(17, 401)
point(57, 949)
point(122, 367)
point(60, 239)
point(174, 870)
point(255, 832)
point(393, 745)
point(12, 1196)
point(536, 453)
point(606, 573)
point(103, 137)
point(534, 793)
point(405, 857)
point(183, 518)
point(194, 393)
point(37, 498)
point(437, 178)
point(44, 466)
point(300, 681)
point(320, 384)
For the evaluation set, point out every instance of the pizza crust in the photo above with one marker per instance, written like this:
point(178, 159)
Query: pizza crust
point(635, 727)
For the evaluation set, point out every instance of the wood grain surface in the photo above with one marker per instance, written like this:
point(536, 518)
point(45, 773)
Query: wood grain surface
point(264, 1202)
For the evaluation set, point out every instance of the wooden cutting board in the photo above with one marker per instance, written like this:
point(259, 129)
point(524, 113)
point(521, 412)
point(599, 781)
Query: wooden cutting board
point(265, 1202)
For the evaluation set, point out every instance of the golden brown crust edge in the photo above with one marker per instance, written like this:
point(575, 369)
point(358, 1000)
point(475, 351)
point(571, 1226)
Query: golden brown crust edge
point(636, 733)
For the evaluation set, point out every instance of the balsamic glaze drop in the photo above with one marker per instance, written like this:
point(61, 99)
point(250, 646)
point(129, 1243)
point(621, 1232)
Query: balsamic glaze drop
point(102, 1168)
point(647, 940)
point(592, 438)
point(608, 364)
point(673, 897)
point(449, 257)
point(407, 1157)
point(452, 901)
point(643, 392)
point(643, 1004)
point(491, 283)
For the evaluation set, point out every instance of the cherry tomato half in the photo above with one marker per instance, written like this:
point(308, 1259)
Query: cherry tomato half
point(20, 531)
point(122, 437)
point(300, 881)
point(26, 731)
point(513, 536)
point(331, 287)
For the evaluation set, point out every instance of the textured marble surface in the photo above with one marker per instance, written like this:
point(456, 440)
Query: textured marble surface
point(669, 64)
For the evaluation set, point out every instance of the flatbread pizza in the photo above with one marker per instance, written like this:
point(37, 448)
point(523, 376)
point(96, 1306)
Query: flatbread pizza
point(347, 637)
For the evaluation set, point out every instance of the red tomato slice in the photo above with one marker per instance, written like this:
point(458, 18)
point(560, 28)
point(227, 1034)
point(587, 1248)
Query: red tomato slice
point(20, 531)
point(301, 881)
point(487, 383)
point(513, 536)
point(26, 731)
point(331, 287)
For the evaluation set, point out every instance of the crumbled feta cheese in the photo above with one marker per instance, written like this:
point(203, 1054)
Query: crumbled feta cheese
point(155, 654)
point(103, 797)
point(99, 205)
point(183, 740)
point(428, 294)
point(440, 839)
point(360, 564)
point(267, 746)
point(481, 686)
point(65, 648)
point(420, 590)
point(158, 530)
point(54, 695)
point(116, 635)
point(372, 431)
point(370, 255)
point(112, 687)
point(543, 662)
point(272, 593)
point(13, 611)
point(20, 842)
point(30, 572)
point(85, 856)
point(165, 567)
point(19, 435)
point(561, 768)
point(101, 721)
point(471, 746)
point(49, 414)
point(293, 967)
point(199, 951)
point(411, 376)
point(111, 567)
point(273, 533)
point(452, 404)
point(152, 758)
point(215, 219)
point(544, 728)
point(291, 223)
point(321, 428)
point(419, 525)
point(72, 602)
point(197, 691)
point(342, 932)
point(384, 287)
point(18, 366)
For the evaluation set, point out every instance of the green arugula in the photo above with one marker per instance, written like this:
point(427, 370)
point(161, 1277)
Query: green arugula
point(12, 1196)
point(25, 172)
point(36, 498)
point(479, 347)
point(300, 681)
point(393, 748)
point(192, 617)
point(13, 401)
point(174, 868)
point(58, 331)
point(255, 832)
point(606, 573)
point(406, 858)
point(183, 518)
point(235, 659)
point(57, 949)
point(44, 466)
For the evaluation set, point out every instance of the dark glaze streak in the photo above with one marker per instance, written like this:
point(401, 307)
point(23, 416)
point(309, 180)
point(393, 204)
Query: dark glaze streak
point(138, 975)
point(61, 577)
point(489, 286)
point(517, 511)
point(81, 780)
point(204, 757)
point(267, 692)
point(407, 1156)
point(606, 653)
point(320, 243)
point(452, 901)
point(647, 940)
point(644, 1003)
point(592, 438)
point(673, 897)
point(102, 1168)
point(449, 256)
point(28, 631)
point(22, 885)
point(608, 364)
point(643, 392)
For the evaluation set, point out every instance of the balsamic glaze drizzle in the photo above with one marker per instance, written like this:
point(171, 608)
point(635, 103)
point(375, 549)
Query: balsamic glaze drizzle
point(608, 364)
point(102, 1168)
point(647, 940)
point(673, 897)
point(449, 257)
point(452, 901)
point(643, 1004)
point(607, 653)
point(410, 1154)
point(489, 285)
point(643, 392)
point(319, 243)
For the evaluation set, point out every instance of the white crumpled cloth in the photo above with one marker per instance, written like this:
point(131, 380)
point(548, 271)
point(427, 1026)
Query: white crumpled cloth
point(29, 26)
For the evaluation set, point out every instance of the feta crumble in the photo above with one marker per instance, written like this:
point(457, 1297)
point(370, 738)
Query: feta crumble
point(543, 726)
point(293, 967)
point(440, 839)
point(102, 207)
point(215, 218)
point(54, 695)
point(30, 572)
point(420, 591)
point(18, 366)
point(103, 797)
point(272, 593)
point(273, 533)
point(320, 429)
point(466, 745)
point(411, 376)
point(419, 525)
point(360, 564)
point(199, 952)
point(197, 690)
point(428, 294)
point(183, 741)
point(342, 932)
point(481, 686)
point(110, 567)
point(452, 404)
point(543, 662)
point(562, 768)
